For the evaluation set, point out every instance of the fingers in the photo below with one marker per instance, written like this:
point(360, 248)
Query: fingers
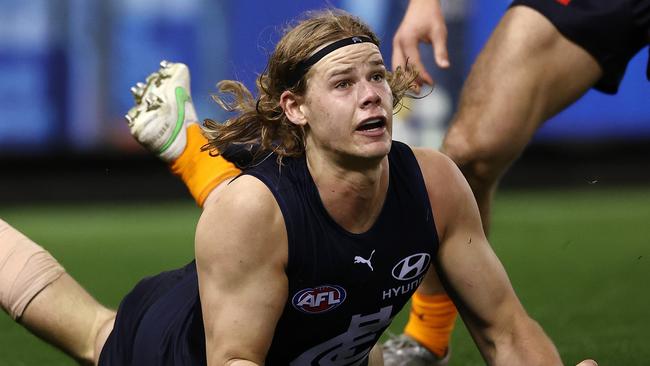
point(406, 49)
point(588, 363)
point(440, 53)
point(423, 22)
point(438, 35)
point(398, 59)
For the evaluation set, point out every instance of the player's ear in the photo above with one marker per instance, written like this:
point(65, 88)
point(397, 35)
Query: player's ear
point(291, 105)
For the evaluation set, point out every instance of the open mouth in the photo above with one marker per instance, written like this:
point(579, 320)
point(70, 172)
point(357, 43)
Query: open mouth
point(372, 124)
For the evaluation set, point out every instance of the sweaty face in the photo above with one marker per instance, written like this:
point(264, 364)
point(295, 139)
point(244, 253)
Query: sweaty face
point(348, 105)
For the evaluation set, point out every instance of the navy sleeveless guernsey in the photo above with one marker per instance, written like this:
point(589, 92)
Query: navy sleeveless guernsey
point(344, 288)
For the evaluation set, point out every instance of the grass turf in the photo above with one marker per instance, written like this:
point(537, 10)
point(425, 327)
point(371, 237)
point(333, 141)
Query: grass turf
point(579, 261)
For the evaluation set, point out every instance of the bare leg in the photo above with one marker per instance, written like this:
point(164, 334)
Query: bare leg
point(66, 316)
point(61, 312)
point(526, 73)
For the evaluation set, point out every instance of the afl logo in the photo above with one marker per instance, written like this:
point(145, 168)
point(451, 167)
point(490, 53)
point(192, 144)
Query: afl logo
point(411, 266)
point(318, 299)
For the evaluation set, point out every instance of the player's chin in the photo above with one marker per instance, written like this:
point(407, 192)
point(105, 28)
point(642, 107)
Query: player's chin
point(376, 149)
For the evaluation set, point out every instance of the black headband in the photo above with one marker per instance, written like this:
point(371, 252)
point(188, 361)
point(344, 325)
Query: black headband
point(303, 66)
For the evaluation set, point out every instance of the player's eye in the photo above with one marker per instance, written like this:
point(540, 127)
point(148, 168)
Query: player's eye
point(378, 77)
point(343, 84)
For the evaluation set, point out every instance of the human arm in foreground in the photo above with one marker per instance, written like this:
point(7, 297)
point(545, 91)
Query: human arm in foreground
point(474, 276)
point(241, 253)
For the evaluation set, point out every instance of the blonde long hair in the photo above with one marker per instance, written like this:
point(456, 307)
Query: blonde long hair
point(262, 120)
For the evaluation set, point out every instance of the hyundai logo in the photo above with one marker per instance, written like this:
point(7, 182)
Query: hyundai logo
point(411, 266)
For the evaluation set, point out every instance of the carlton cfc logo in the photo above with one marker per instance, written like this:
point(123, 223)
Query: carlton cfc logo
point(318, 299)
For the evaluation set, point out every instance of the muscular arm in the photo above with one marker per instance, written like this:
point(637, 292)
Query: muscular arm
point(241, 253)
point(475, 278)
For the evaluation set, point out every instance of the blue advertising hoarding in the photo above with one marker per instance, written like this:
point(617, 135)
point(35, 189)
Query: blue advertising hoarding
point(66, 71)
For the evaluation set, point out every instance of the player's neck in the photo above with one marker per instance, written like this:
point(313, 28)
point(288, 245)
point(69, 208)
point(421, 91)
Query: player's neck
point(353, 197)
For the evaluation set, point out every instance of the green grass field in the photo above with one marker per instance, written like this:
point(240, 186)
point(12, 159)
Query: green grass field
point(579, 260)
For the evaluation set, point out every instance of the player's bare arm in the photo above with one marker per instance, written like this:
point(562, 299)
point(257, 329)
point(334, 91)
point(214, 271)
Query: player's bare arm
point(241, 268)
point(474, 276)
point(423, 22)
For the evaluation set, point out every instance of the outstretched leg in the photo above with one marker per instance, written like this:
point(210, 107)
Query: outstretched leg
point(37, 292)
point(164, 121)
point(526, 73)
point(34, 288)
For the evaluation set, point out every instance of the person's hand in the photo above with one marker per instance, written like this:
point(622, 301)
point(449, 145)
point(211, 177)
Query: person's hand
point(588, 363)
point(423, 22)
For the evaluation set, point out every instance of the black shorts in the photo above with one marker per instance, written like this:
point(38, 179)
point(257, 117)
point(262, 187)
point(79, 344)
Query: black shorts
point(159, 323)
point(612, 31)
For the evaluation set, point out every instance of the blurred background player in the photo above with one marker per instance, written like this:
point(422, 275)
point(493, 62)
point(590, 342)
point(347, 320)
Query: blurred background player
point(542, 57)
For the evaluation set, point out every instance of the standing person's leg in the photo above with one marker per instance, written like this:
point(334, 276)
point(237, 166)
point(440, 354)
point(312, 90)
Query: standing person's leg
point(37, 292)
point(526, 73)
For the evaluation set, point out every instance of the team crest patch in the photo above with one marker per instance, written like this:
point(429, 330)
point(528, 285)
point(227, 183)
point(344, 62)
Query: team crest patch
point(318, 299)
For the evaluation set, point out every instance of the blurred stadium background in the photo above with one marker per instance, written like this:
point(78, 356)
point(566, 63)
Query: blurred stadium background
point(571, 222)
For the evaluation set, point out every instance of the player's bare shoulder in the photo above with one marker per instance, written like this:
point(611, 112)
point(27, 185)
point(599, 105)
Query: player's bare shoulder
point(244, 193)
point(435, 166)
point(225, 225)
point(449, 193)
